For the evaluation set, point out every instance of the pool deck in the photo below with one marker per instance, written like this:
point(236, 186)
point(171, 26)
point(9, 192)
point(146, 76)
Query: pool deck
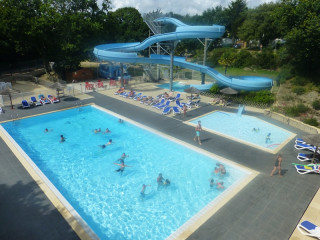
point(267, 208)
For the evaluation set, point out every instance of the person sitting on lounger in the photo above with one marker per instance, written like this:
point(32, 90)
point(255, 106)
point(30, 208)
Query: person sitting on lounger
point(131, 93)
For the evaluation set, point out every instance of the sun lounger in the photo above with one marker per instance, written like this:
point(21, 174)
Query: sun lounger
point(302, 146)
point(164, 105)
point(176, 110)
point(300, 140)
point(53, 99)
point(35, 101)
point(43, 100)
point(306, 157)
point(137, 96)
point(25, 104)
point(160, 103)
point(196, 103)
point(303, 169)
point(166, 110)
point(309, 229)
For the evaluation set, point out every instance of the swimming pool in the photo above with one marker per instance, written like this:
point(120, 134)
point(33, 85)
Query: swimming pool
point(109, 202)
point(247, 129)
point(176, 86)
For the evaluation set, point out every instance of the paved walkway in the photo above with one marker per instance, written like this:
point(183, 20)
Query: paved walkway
point(267, 208)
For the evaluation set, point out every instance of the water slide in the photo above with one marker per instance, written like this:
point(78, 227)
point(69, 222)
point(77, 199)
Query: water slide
point(128, 53)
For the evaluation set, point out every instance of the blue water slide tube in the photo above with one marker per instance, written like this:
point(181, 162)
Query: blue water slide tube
point(128, 53)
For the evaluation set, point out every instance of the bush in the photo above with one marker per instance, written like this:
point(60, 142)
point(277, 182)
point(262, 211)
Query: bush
point(263, 96)
point(216, 55)
point(316, 104)
point(299, 81)
point(311, 121)
point(285, 74)
point(295, 111)
point(266, 59)
point(299, 90)
point(243, 59)
point(215, 89)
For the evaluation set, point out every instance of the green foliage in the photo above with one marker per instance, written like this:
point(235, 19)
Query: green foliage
point(285, 74)
point(215, 55)
point(227, 59)
point(299, 22)
point(299, 81)
point(311, 121)
point(215, 89)
point(263, 96)
point(266, 59)
point(243, 59)
point(299, 90)
point(295, 111)
point(316, 104)
point(260, 24)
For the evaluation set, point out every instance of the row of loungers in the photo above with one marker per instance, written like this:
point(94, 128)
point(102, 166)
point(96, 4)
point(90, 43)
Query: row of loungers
point(300, 144)
point(42, 101)
point(160, 102)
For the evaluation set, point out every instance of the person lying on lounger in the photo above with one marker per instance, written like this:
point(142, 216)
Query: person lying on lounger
point(121, 90)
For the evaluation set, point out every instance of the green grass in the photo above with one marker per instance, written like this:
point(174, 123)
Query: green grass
point(242, 72)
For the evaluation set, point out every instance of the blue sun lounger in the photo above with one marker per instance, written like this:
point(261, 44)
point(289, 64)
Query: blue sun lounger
point(310, 168)
point(176, 110)
point(25, 104)
point(302, 146)
point(309, 229)
point(306, 157)
point(159, 104)
point(35, 101)
point(164, 105)
point(166, 110)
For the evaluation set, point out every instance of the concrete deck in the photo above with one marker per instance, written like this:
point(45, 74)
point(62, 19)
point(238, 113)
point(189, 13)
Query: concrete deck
point(267, 208)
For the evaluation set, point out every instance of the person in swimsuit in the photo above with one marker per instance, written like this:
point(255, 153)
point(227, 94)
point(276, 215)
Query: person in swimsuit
point(122, 167)
point(143, 189)
point(123, 156)
point(62, 139)
point(160, 180)
point(277, 165)
point(268, 139)
point(220, 185)
point(108, 143)
point(211, 182)
point(198, 130)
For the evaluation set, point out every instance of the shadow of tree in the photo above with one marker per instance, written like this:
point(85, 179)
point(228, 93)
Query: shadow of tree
point(26, 213)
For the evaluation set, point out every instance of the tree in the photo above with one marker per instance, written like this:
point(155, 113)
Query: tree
point(236, 14)
point(300, 24)
point(260, 24)
point(227, 59)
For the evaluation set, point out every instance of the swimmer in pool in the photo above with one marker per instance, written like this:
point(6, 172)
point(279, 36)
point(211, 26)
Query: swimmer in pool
point(62, 139)
point(120, 120)
point(122, 167)
point(143, 189)
point(97, 130)
point(107, 131)
point(268, 139)
point(167, 183)
point(160, 180)
point(211, 181)
point(123, 156)
point(108, 143)
point(220, 185)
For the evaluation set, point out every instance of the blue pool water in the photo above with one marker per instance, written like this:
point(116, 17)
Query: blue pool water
point(246, 128)
point(176, 86)
point(110, 203)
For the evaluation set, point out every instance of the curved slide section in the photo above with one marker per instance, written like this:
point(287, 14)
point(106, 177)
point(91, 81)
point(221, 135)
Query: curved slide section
point(128, 53)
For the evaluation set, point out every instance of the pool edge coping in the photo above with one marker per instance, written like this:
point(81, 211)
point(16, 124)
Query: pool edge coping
point(71, 216)
point(78, 224)
point(273, 151)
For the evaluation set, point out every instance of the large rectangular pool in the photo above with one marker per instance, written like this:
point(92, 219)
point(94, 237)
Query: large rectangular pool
point(108, 201)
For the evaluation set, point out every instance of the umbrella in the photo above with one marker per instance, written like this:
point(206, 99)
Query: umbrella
point(313, 139)
point(192, 90)
point(9, 92)
point(228, 90)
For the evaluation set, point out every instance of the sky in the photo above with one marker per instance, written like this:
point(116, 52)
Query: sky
point(182, 7)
